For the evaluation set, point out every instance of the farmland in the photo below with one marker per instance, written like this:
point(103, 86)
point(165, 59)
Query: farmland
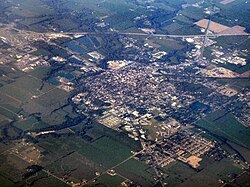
point(124, 93)
point(136, 171)
point(209, 173)
point(226, 126)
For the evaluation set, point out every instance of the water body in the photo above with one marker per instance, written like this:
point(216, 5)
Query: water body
point(53, 81)
point(76, 48)
point(198, 106)
point(95, 41)
point(85, 41)
point(68, 76)
point(75, 61)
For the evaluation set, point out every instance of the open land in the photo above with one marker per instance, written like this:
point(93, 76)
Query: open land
point(124, 93)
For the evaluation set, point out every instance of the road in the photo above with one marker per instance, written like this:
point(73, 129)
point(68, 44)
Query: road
point(158, 35)
point(25, 33)
point(120, 163)
point(205, 37)
point(58, 178)
point(46, 171)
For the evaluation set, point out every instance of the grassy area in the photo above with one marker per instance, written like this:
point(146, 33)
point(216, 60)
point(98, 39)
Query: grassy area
point(16, 97)
point(16, 92)
point(26, 8)
point(213, 172)
point(193, 13)
point(10, 72)
point(226, 126)
point(77, 159)
point(237, 84)
point(42, 179)
point(7, 114)
point(54, 97)
point(235, 10)
point(243, 180)
point(227, 42)
point(177, 173)
point(173, 27)
point(105, 151)
point(98, 130)
point(136, 171)
point(117, 21)
point(40, 72)
point(243, 151)
point(12, 167)
point(184, 19)
point(3, 120)
point(5, 182)
point(168, 44)
point(24, 87)
point(29, 84)
point(75, 167)
point(112, 147)
point(46, 104)
point(26, 124)
point(180, 174)
point(110, 181)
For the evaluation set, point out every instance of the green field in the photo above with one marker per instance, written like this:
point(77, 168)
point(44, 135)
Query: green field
point(180, 174)
point(76, 167)
point(226, 126)
point(12, 167)
point(8, 114)
point(193, 13)
point(109, 181)
point(235, 10)
point(243, 180)
point(173, 27)
point(23, 88)
point(104, 151)
point(40, 72)
point(227, 42)
point(27, 113)
point(5, 182)
point(28, 124)
point(136, 171)
point(48, 102)
point(77, 159)
point(10, 72)
point(168, 44)
point(41, 179)
point(16, 92)
point(26, 8)
point(17, 98)
point(77, 147)
point(237, 84)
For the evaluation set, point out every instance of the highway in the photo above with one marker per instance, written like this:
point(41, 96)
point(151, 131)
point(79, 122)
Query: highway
point(157, 35)
point(184, 36)
point(205, 37)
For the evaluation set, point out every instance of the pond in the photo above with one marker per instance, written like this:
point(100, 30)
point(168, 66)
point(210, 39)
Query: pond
point(198, 106)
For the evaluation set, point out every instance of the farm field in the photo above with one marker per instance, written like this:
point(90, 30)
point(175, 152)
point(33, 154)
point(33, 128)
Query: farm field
point(124, 93)
point(208, 174)
point(108, 180)
point(136, 171)
point(226, 126)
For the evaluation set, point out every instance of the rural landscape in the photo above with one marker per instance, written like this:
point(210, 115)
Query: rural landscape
point(111, 93)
